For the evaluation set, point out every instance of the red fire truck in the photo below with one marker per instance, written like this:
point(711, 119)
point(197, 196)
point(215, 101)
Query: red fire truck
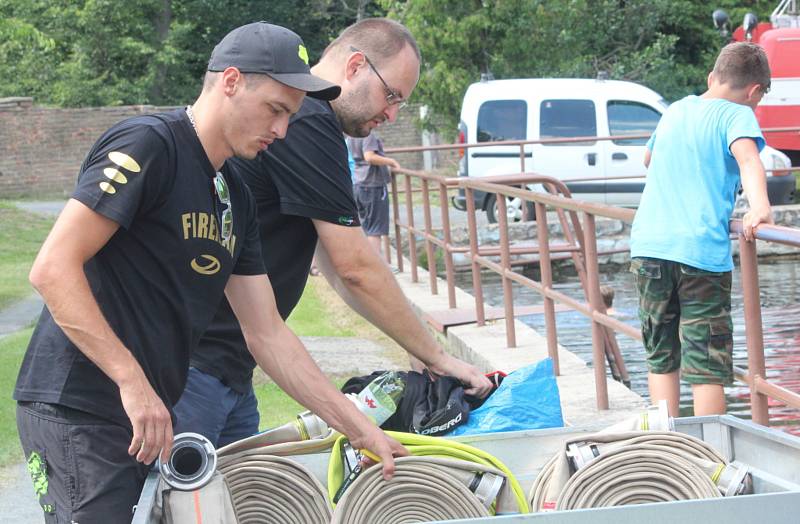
point(780, 38)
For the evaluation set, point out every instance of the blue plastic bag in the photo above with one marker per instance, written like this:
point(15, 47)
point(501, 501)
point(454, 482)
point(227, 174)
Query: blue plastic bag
point(527, 399)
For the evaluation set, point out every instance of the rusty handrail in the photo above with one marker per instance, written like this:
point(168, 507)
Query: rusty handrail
point(478, 259)
point(547, 141)
point(583, 243)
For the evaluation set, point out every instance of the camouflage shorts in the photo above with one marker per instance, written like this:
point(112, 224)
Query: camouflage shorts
point(686, 320)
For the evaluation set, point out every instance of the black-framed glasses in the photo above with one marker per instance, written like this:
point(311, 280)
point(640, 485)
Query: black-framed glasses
point(392, 96)
point(226, 220)
point(765, 89)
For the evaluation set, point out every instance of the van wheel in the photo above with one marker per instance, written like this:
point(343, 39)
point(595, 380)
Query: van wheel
point(513, 209)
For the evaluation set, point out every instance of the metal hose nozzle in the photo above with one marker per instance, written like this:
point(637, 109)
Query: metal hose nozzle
point(191, 463)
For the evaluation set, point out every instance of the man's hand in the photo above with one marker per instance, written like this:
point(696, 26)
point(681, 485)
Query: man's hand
point(394, 164)
point(753, 218)
point(475, 382)
point(282, 356)
point(381, 445)
point(152, 425)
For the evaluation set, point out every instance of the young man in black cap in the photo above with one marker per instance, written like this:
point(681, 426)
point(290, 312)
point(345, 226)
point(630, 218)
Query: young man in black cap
point(304, 193)
point(133, 271)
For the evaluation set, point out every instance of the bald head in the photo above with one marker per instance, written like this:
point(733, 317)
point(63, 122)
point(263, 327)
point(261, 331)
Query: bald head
point(380, 38)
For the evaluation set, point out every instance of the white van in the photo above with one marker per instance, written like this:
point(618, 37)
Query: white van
point(533, 109)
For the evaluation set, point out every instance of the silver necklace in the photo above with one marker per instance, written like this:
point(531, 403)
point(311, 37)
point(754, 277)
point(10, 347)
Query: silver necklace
point(191, 118)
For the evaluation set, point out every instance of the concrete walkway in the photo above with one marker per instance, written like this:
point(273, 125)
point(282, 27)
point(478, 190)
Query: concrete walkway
point(43, 207)
point(20, 315)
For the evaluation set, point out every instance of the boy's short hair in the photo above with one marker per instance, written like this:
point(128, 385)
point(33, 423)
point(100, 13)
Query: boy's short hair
point(742, 64)
point(607, 294)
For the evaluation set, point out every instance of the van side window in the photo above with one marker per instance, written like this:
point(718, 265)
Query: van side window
point(502, 120)
point(631, 118)
point(567, 119)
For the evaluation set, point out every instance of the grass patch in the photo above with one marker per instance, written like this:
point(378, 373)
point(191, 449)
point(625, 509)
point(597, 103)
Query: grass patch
point(276, 407)
point(12, 349)
point(416, 185)
point(21, 236)
point(311, 317)
point(320, 312)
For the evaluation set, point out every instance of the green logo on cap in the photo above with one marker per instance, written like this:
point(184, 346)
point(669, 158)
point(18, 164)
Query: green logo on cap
point(302, 53)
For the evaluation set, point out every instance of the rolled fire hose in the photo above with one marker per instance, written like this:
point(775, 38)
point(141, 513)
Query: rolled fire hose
point(636, 474)
point(633, 468)
point(423, 489)
point(274, 490)
point(482, 467)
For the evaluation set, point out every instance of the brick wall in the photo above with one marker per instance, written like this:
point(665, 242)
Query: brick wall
point(405, 132)
point(42, 148)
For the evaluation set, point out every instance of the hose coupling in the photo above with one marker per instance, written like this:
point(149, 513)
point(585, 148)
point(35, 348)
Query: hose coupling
point(191, 463)
point(735, 479)
point(580, 453)
point(314, 426)
point(486, 486)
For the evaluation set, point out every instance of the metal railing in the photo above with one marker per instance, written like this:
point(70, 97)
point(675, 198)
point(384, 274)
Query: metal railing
point(580, 244)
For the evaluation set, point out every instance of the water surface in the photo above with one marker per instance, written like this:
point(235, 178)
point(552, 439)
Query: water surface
point(780, 307)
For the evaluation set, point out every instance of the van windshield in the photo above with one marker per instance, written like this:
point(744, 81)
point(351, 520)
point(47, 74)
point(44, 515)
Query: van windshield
point(502, 120)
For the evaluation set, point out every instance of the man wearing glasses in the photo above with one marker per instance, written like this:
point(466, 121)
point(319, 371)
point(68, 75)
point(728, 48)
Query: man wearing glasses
point(304, 193)
point(157, 230)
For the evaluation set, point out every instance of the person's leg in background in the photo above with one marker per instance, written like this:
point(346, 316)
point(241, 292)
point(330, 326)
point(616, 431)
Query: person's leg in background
point(373, 211)
point(243, 419)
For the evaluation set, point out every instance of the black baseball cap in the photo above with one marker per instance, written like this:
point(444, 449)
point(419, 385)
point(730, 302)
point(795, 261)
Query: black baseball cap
point(274, 51)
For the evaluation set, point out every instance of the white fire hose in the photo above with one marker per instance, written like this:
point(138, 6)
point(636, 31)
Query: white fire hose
point(423, 489)
point(633, 468)
point(274, 490)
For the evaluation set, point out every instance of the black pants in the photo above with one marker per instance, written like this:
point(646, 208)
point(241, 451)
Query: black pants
point(79, 464)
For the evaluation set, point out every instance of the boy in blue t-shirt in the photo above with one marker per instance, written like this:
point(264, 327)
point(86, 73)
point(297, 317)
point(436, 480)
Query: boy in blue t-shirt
point(680, 248)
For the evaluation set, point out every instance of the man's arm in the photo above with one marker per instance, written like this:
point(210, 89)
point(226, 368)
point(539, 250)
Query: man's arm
point(647, 156)
point(367, 285)
point(58, 275)
point(373, 158)
point(281, 354)
point(754, 183)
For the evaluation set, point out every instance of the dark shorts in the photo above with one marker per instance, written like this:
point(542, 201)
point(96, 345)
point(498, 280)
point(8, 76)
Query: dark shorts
point(373, 209)
point(79, 464)
point(686, 320)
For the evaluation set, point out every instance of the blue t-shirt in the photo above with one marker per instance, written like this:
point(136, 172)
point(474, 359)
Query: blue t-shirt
point(692, 182)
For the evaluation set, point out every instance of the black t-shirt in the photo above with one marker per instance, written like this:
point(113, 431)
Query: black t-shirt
point(160, 278)
point(305, 176)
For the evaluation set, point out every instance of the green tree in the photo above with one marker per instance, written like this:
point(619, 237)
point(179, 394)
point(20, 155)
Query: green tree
point(111, 52)
point(668, 45)
point(19, 41)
